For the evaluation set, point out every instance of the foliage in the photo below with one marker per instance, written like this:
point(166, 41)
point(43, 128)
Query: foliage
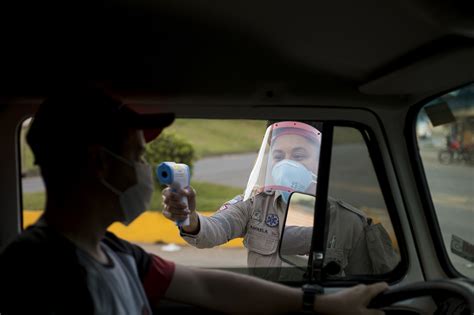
point(169, 147)
point(210, 197)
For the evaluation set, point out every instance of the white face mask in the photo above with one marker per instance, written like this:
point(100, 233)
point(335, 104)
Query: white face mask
point(136, 198)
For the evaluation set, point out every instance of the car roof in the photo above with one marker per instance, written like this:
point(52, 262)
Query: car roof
point(245, 52)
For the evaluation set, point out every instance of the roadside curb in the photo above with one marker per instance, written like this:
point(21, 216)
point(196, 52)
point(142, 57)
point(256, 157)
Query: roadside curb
point(151, 227)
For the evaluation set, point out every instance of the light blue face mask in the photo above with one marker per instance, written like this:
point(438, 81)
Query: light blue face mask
point(293, 175)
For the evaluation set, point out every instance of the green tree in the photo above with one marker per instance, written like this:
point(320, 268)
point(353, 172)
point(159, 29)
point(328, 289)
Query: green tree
point(169, 147)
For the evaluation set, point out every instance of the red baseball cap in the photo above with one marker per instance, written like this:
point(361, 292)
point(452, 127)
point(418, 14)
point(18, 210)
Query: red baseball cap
point(75, 118)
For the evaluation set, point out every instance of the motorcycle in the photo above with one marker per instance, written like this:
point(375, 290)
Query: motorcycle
point(455, 152)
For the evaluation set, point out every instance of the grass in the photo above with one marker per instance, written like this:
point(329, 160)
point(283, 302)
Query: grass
point(210, 197)
point(34, 201)
point(211, 137)
point(220, 136)
point(27, 166)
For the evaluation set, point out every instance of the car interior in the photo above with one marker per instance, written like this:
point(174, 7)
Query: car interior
point(396, 78)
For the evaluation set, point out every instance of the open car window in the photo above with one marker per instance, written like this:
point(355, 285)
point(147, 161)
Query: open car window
point(355, 190)
point(360, 239)
point(445, 136)
point(221, 155)
point(238, 169)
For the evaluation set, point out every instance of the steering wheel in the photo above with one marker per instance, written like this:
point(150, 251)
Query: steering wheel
point(462, 288)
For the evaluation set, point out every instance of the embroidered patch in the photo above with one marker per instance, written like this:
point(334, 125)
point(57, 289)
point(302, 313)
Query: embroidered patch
point(259, 229)
point(272, 220)
point(236, 199)
point(257, 215)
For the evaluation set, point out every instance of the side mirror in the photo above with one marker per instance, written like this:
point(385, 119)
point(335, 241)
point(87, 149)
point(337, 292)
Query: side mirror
point(297, 233)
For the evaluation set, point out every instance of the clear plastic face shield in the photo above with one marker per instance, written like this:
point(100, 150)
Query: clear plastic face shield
point(287, 161)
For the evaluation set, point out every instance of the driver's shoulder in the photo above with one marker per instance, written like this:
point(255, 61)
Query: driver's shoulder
point(49, 252)
point(32, 240)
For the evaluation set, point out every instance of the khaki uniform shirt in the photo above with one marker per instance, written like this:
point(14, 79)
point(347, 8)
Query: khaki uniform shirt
point(259, 221)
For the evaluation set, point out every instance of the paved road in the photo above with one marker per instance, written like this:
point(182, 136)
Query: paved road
point(231, 170)
point(210, 258)
point(452, 188)
point(353, 179)
point(32, 184)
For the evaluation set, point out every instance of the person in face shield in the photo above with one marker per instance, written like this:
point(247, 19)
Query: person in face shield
point(287, 162)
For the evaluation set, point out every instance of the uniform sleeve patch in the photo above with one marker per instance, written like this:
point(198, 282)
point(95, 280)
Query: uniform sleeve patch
point(233, 201)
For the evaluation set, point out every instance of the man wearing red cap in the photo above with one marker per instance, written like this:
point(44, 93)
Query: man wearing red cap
point(67, 263)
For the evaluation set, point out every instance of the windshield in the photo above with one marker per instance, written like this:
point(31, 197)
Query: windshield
point(445, 134)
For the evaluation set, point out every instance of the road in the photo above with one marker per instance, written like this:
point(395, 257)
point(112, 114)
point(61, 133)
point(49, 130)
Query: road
point(207, 257)
point(452, 188)
point(231, 170)
point(352, 179)
point(32, 184)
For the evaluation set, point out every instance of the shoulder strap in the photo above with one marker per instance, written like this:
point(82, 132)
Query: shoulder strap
point(353, 209)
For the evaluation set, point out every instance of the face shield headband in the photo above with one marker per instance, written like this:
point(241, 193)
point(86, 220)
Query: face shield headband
point(286, 175)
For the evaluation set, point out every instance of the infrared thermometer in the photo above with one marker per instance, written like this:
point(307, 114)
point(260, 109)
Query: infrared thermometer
point(176, 176)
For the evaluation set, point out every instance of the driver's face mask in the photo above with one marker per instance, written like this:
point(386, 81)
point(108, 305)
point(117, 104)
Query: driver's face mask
point(136, 198)
point(293, 175)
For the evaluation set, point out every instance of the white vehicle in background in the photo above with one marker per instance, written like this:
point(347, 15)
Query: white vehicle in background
point(424, 129)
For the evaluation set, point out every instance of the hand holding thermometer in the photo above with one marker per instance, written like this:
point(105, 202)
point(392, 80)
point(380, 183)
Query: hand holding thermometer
point(176, 176)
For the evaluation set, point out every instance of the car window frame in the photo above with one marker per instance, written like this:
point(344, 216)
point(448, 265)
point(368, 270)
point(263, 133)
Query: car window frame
point(375, 155)
point(422, 184)
point(19, 153)
point(373, 148)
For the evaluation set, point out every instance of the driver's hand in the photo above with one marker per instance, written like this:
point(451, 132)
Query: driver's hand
point(350, 301)
point(176, 210)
